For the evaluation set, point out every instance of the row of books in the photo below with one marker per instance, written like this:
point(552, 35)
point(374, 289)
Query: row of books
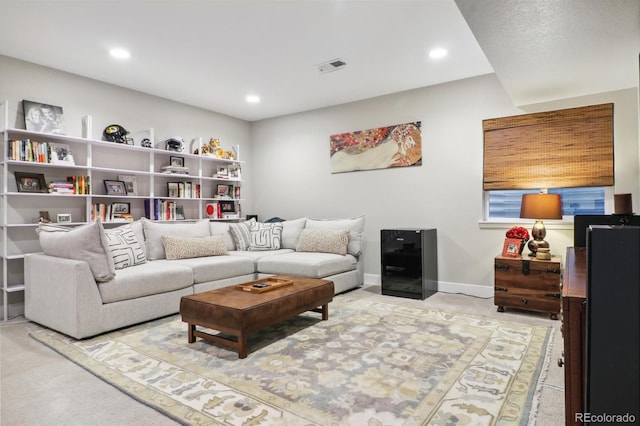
point(39, 152)
point(110, 213)
point(163, 210)
point(183, 189)
point(79, 185)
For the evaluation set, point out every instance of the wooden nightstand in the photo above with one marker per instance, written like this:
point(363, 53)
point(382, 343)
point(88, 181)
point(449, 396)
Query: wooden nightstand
point(528, 283)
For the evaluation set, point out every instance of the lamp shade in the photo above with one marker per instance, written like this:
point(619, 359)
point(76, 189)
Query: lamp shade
point(541, 206)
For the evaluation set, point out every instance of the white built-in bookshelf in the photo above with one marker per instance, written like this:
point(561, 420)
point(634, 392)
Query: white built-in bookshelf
point(209, 187)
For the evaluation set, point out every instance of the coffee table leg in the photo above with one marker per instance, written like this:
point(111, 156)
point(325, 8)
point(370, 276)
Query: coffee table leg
point(190, 329)
point(242, 346)
point(325, 312)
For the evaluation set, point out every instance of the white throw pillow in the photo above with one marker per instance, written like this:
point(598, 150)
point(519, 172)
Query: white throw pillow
point(126, 250)
point(265, 236)
point(314, 240)
point(87, 242)
point(153, 232)
point(354, 225)
point(291, 230)
point(185, 248)
point(241, 234)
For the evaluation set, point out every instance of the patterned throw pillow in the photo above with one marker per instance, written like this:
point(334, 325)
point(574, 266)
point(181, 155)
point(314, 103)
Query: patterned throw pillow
point(185, 248)
point(125, 248)
point(315, 240)
point(265, 236)
point(241, 234)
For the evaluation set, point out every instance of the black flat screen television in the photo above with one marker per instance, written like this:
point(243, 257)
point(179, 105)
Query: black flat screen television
point(582, 222)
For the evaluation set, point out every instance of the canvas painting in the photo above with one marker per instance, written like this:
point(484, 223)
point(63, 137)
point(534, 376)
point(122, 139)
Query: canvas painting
point(39, 117)
point(399, 145)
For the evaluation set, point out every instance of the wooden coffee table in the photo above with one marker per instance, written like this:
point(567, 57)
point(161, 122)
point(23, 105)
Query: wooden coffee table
point(239, 313)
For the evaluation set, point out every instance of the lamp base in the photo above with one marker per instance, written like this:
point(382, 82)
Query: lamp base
point(534, 245)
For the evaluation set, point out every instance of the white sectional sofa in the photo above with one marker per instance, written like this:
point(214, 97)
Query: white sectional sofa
point(93, 279)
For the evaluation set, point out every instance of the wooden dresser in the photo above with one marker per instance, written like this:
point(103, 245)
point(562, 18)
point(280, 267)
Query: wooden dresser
point(528, 283)
point(574, 293)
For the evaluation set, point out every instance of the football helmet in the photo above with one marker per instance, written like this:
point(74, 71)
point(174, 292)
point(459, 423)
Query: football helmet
point(116, 133)
point(146, 143)
point(175, 144)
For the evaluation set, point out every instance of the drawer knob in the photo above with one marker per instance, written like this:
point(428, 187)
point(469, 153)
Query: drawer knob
point(524, 301)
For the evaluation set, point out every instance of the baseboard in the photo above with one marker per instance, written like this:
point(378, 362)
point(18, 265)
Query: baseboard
point(445, 287)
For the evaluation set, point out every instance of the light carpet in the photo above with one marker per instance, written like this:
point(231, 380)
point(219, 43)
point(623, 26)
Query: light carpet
point(376, 361)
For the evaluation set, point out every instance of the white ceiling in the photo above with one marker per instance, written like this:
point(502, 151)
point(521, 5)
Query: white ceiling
point(211, 54)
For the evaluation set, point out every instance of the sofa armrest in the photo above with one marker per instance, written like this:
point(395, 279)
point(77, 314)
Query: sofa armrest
point(60, 293)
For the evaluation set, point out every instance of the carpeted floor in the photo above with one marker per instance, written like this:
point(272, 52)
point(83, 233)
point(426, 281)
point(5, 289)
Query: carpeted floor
point(378, 360)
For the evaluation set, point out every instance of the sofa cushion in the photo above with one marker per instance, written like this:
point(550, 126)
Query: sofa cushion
point(217, 227)
point(265, 236)
point(354, 225)
point(291, 230)
point(87, 242)
point(315, 240)
point(241, 234)
point(314, 265)
point(185, 247)
point(155, 277)
point(214, 268)
point(126, 250)
point(153, 232)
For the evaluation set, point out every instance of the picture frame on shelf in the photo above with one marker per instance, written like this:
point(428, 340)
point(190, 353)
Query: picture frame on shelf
point(176, 161)
point(31, 182)
point(173, 189)
point(223, 190)
point(222, 172)
point(115, 187)
point(63, 218)
point(43, 118)
point(227, 206)
point(61, 154)
point(131, 184)
point(234, 172)
point(180, 212)
point(120, 208)
point(511, 247)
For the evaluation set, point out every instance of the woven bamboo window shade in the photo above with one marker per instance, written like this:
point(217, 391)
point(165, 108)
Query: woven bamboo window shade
point(556, 149)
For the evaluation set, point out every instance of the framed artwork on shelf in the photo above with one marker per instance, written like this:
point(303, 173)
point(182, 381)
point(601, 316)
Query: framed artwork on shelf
point(511, 247)
point(234, 172)
point(63, 217)
point(173, 189)
point(120, 208)
point(176, 161)
point(115, 187)
point(227, 206)
point(31, 182)
point(222, 172)
point(44, 118)
point(130, 184)
point(179, 212)
point(223, 191)
point(61, 154)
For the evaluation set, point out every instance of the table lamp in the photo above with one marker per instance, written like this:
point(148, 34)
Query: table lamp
point(538, 207)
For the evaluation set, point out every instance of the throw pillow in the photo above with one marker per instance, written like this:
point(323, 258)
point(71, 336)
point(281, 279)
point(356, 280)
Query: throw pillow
point(354, 225)
point(241, 234)
point(126, 249)
point(185, 248)
point(318, 241)
point(291, 230)
point(217, 227)
point(87, 242)
point(265, 236)
point(153, 232)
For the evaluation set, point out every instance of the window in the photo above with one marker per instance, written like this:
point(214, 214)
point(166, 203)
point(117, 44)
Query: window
point(506, 204)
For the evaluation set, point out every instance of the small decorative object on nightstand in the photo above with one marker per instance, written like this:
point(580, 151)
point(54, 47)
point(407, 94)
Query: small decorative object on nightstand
point(528, 283)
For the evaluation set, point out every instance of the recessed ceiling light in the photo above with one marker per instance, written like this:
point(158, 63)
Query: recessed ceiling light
point(119, 53)
point(437, 53)
point(253, 99)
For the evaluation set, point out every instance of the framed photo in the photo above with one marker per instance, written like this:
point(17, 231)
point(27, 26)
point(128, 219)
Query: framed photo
point(61, 154)
point(31, 182)
point(234, 172)
point(39, 117)
point(120, 208)
point(173, 189)
point(63, 217)
point(176, 161)
point(511, 247)
point(223, 190)
point(223, 171)
point(115, 187)
point(179, 212)
point(130, 184)
point(227, 206)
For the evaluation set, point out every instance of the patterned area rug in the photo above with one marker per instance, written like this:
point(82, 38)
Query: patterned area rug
point(374, 362)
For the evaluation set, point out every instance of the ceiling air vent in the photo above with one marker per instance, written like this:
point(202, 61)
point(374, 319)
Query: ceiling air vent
point(332, 65)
